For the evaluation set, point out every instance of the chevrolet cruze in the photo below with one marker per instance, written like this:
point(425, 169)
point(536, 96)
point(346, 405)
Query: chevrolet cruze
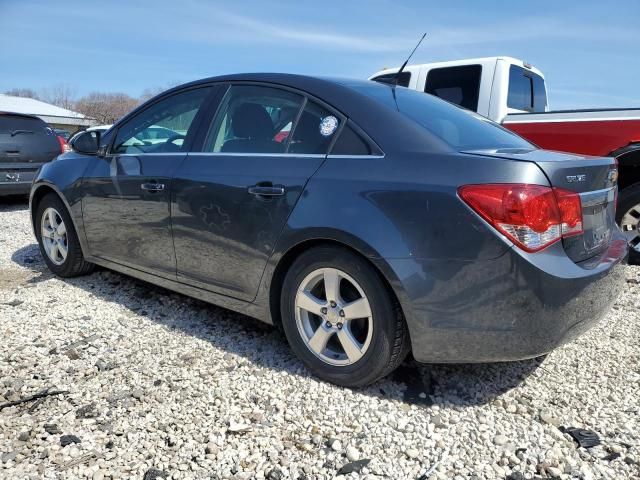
point(365, 220)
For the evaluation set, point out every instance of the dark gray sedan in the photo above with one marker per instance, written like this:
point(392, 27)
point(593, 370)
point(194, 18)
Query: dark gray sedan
point(365, 220)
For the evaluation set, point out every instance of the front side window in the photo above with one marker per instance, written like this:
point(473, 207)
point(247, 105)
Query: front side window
point(163, 127)
point(459, 85)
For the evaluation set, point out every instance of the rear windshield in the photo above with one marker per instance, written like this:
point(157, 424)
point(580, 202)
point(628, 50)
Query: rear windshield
point(526, 90)
point(460, 128)
point(11, 123)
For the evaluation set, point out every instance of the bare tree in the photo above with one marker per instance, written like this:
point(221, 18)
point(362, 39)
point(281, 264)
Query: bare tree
point(151, 92)
point(61, 95)
point(106, 108)
point(23, 92)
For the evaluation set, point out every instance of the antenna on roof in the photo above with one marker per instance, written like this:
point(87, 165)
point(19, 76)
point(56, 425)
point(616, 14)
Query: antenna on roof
point(409, 58)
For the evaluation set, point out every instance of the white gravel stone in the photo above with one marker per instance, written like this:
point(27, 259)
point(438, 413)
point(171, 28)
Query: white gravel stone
point(195, 391)
point(352, 453)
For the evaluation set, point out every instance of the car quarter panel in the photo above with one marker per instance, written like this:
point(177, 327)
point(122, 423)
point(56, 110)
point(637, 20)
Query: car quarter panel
point(372, 205)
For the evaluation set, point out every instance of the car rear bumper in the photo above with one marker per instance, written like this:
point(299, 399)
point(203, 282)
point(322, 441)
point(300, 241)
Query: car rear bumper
point(14, 181)
point(509, 308)
point(16, 188)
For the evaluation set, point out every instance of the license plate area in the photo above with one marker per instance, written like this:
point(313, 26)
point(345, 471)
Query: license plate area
point(598, 211)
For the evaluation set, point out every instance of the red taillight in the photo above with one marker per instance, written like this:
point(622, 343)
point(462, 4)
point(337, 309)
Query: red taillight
point(63, 144)
point(570, 210)
point(532, 216)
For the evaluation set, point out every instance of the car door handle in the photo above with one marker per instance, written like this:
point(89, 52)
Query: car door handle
point(152, 187)
point(266, 190)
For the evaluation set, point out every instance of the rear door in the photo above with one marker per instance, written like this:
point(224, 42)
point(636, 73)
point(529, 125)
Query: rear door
point(231, 201)
point(25, 143)
point(126, 194)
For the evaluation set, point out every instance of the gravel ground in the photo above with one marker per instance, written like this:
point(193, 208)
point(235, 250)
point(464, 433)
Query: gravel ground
point(162, 386)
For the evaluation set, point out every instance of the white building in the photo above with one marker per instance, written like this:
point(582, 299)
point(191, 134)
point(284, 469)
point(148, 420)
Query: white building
point(56, 117)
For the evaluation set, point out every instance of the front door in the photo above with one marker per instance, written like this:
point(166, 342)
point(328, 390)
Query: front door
point(230, 202)
point(126, 194)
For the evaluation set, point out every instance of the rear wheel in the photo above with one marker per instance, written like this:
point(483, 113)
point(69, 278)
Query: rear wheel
point(628, 217)
point(340, 319)
point(58, 240)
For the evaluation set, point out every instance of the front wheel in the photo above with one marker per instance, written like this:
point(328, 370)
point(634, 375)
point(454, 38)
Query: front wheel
point(340, 319)
point(58, 240)
point(628, 217)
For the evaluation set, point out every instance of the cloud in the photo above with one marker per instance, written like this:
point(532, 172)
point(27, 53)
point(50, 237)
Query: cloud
point(246, 29)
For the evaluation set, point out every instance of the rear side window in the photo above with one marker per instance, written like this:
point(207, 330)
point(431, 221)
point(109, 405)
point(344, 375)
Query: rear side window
point(314, 130)
point(258, 119)
point(526, 90)
point(350, 143)
point(390, 78)
point(459, 85)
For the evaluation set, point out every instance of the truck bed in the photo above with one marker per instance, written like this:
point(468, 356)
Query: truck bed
point(589, 131)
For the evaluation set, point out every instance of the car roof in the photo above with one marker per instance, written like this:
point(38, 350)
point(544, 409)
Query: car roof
point(23, 115)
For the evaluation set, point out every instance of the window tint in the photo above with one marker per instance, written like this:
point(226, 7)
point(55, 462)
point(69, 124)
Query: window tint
point(520, 89)
point(350, 143)
point(526, 90)
point(314, 131)
point(459, 85)
point(390, 78)
point(462, 129)
point(254, 119)
point(539, 94)
point(11, 123)
point(163, 126)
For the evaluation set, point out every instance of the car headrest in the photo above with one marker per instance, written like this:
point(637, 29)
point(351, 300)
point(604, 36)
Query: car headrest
point(251, 120)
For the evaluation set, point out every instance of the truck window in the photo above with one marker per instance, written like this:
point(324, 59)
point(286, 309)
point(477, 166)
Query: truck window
point(390, 78)
point(539, 94)
point(526, 90)
point(459, 85)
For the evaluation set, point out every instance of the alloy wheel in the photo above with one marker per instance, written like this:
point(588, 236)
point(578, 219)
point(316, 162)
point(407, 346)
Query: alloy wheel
point(333, 316)
point(629, 225)
point(54, 236)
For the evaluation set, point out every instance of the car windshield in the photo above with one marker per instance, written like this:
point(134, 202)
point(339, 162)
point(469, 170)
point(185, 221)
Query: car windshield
point(460, 128)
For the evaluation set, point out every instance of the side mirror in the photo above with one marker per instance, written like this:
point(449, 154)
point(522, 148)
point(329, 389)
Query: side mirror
point(86, 143)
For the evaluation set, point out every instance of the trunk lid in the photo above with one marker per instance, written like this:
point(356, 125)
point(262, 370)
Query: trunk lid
point(594, 178)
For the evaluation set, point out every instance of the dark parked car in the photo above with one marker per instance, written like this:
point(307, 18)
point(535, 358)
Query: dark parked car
point(364, 219)
point(26, 142)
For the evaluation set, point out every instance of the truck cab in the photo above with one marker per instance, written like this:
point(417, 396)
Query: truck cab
point(493, 86)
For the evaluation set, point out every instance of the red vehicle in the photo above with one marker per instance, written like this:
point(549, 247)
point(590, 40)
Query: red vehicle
point(513, 93)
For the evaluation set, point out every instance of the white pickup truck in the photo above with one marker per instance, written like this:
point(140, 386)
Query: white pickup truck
point(513, 93)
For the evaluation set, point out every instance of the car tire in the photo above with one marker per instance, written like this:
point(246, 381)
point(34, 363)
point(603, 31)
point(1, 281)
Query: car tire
point(59, 237)
point(351, 351)
point(628, 217)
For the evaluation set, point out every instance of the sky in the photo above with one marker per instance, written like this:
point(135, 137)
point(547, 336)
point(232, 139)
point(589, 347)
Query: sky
point(588, 50)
